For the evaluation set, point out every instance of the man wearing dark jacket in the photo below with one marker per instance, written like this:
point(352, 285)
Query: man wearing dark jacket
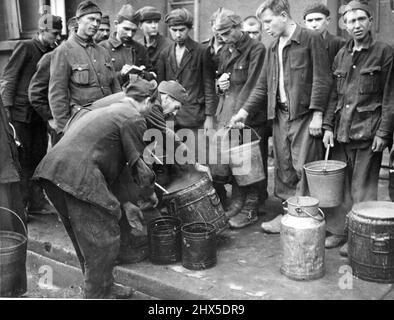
point(153, 41)
point(81, 71)
point(317, 17)
point(293, 90)
point(81, 177)
point(124, 51)
point(360, 113)
point(240, 64)
point(29, 126)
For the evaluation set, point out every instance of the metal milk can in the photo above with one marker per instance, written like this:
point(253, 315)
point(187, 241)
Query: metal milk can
point(303, 231)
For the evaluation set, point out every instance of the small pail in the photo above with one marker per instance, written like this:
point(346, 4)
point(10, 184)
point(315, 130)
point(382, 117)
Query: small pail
point(219, 161)
point(246, 162)
point(198, 246)
point(13, 249)
point(164, 239)
point(326, 182)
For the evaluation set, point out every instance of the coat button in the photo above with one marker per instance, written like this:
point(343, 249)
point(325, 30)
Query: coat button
point(113, 49)
point(347, 106)
point(79, 69)
point(113, 59)
point(354, 67)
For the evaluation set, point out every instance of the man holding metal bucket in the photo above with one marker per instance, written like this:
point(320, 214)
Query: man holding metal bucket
point(360, 113)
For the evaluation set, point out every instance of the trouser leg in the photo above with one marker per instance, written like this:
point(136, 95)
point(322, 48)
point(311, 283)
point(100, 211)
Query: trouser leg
point(262, 186)
point(96, 236)
point(10, 198)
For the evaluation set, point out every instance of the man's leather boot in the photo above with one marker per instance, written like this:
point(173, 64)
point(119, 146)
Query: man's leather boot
point(238, 200)
point(248, 213)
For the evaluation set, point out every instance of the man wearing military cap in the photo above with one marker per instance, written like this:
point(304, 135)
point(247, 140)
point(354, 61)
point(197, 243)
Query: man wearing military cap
point(104, 30)
point(154, 42)
point(124, 51)
point(240, 65)
point(81, 71)
point(360, 113)
point(92, 154)
point(29, 126)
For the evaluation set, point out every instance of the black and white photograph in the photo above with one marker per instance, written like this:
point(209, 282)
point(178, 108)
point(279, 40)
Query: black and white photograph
point(196, 156)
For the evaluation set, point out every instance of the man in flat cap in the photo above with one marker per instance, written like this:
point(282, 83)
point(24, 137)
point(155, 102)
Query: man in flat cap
point(360, 113)
point(104, 30)
point(93, 153)
point(154, 42)
point(317, 17)
point(292, 90)
point(240, 65)
point(39, 86)
point(29, 126)
point(124, 51)
point(81, 71)
point(182, 61)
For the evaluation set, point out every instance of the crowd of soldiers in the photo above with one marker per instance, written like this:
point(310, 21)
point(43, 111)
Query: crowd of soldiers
point(97, 93)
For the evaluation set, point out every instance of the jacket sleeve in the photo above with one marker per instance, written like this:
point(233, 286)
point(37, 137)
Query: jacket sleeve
point(322, 80)
point(38, 88)
point(59, 96)
point(329, 114)
point(209, 76)
point(161, 66)
point(11, 73)
point(258, 96)
point(386, 128)
point(256, 62)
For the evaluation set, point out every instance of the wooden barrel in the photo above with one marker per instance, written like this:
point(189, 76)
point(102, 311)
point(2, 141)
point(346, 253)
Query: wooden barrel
point(371, 241)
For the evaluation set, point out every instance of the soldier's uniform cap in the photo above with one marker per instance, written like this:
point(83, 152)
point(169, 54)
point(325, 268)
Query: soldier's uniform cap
point(87, 7)
point(139, 87)
point(148, 13)
point(128, 12)
point(356, 5)
point(225, 20)
point(105, 20)
point(179, 17)
point(50, 22)
point(174, 89)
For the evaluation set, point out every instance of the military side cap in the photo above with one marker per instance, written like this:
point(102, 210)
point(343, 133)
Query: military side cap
point(139, 87)
point(87, 7)
point(317, 8)
point(50, 22)
point(356, 5)
point(148, 13)
point(225, 19)
point(105, 20)
point(179, 17)
point(128, 12)
point(174, 89)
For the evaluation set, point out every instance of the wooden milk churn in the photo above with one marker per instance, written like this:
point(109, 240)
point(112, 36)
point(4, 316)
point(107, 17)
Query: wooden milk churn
point(303, 232)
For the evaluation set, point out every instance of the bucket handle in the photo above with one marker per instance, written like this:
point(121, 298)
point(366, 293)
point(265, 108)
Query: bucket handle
point(246, 126)
point(13, 214)
point(306, 212)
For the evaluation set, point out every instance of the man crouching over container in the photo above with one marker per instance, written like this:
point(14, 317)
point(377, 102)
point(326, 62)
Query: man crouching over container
point(80, 177)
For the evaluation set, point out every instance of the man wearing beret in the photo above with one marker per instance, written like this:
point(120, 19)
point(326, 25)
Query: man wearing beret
point(29, 126)
point(292, 90)
point(360, 113)
point(39, 86)
point(317, 17)
point(154, 42)
point(81, 71)
point(104, 30)
point(124, 51)
point(240, 65)
point(92, 154)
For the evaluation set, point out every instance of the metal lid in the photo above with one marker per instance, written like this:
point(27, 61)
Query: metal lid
point(375, 209)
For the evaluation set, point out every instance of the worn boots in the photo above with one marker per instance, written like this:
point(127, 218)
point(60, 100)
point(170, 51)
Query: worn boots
point(247, 215)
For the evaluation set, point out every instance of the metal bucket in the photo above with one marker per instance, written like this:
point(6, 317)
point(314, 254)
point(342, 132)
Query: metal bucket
point(326, 183)
point(199, 246)
point(371, 241)
point(13, 249)
point(219, 161)
point(198, 202)
point(302, 239)
point(246, 162)
point(164, 239)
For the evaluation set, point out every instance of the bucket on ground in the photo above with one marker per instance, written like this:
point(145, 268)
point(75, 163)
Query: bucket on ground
point(164, 239)
point(303, 231)
point(371, 241)
point(199, 248)
point(13, 250)
point(326, 181)
point(246, 162)
point(194, 199)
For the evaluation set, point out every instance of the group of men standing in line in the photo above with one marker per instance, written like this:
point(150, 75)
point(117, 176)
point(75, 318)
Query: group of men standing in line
point(97, 94)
